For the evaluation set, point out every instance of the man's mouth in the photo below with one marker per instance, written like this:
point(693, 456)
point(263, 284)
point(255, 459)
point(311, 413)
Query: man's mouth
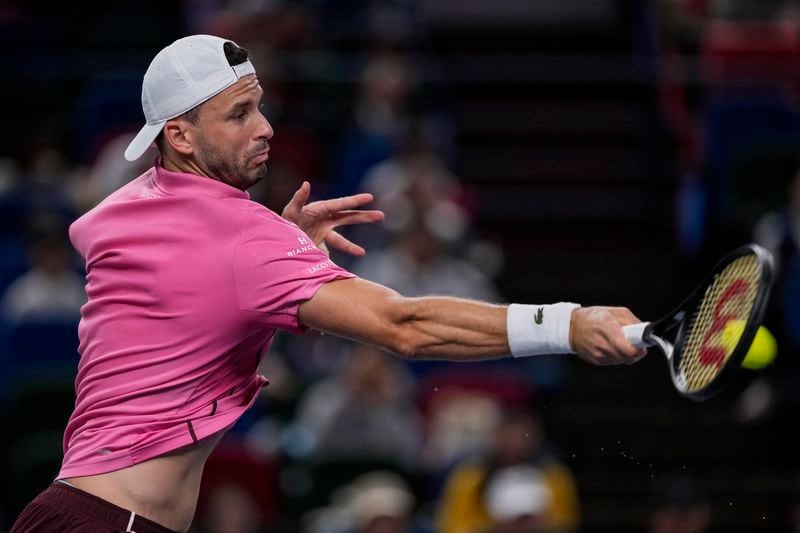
point(261, 157)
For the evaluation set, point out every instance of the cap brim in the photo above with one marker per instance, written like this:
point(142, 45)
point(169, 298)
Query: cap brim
point(143, 140)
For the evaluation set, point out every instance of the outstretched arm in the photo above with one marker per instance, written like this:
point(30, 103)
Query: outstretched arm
point(451, 328)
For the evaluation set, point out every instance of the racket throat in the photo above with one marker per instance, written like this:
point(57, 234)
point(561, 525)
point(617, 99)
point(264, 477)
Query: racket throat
point(663, 344)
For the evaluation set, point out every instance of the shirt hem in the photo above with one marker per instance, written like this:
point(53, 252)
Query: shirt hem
point(202, 430)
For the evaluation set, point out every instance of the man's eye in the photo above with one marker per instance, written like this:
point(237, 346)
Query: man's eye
point(239, 116)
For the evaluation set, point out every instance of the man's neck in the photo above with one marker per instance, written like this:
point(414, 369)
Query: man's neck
point(182, 165)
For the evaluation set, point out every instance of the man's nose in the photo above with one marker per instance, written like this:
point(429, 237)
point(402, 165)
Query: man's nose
point(264, 129)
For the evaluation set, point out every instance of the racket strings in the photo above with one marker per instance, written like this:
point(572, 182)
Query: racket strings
point(729, 297)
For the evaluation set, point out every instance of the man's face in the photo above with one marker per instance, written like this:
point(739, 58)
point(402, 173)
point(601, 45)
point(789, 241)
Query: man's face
point(231, 135)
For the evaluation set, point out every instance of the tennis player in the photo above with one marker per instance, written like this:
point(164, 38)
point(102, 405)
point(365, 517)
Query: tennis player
point(188, 281)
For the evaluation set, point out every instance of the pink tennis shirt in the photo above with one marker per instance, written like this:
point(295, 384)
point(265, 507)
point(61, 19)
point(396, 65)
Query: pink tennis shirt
point(188, 280)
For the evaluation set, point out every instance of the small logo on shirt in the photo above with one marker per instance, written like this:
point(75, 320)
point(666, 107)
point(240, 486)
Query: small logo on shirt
point(305, 246)
point(320, 266)
point(539, 317)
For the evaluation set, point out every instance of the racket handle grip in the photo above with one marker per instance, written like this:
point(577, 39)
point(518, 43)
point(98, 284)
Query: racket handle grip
point(638, 334)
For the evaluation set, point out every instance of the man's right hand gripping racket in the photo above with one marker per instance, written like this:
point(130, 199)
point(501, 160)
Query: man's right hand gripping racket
point(696, 337)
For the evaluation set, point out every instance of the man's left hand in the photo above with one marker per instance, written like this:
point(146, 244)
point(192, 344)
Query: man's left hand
point(319, 220)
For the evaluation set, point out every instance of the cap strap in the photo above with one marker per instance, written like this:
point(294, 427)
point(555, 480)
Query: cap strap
point(243, 69)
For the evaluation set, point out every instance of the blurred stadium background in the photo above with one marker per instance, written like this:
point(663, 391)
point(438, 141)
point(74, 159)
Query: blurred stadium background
point(605, 152)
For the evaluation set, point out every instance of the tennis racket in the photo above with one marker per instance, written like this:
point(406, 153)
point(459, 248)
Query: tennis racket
point(701, 356)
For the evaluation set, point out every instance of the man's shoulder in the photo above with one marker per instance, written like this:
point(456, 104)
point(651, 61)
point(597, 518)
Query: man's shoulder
point(131, 190)
point(265, 233)
point(136, 188)
point(261, 217)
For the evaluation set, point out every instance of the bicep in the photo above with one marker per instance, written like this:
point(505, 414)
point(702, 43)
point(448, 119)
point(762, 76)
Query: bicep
point(355, 309)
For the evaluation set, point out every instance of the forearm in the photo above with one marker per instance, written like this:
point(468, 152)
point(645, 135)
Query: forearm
point(452, 328)
point(436, 327)
point(440, 327)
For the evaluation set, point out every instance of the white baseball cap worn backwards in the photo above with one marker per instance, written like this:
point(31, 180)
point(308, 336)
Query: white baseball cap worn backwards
point(182, 76)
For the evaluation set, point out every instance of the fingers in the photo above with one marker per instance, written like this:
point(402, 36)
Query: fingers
point(601, 339)
point(625, 352)
point(336, 240)
point(624, 316)
point(345, 203)
point(606, 354)
point(357, 217)
point(299, 198)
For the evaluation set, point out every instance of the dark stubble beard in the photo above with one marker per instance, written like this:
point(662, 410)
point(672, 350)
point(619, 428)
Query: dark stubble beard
point(225, 168)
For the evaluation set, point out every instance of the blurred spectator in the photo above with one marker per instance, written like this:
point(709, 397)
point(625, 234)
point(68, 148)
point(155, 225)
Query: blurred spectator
point(463, 407)
point(414, 177)
point(38, 190)
point(518, 500)
point(416, 182)
point(364, 411)
point(45, 183)
point(678, 507)
point(459, 424)
point(375, 502)
point(385, 118)
point(417, 262)
point(380, 502)
point(51, 288)
point(477, 495)
point(380, 119)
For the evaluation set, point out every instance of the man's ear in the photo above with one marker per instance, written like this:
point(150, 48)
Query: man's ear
point(178, 136)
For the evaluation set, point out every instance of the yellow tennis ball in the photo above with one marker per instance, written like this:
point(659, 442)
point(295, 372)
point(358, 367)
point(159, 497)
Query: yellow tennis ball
point(731, 334)
point(762, 351)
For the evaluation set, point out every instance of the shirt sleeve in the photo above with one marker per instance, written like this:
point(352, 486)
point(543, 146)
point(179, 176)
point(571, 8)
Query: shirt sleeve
point(276, 267)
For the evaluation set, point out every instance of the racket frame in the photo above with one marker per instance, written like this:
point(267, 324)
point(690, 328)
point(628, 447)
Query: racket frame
point(654, 332)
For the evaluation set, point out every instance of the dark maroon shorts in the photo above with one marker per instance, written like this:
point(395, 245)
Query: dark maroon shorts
point(64, 508)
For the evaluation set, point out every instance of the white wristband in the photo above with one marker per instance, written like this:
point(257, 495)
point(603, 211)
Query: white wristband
point(539, 329)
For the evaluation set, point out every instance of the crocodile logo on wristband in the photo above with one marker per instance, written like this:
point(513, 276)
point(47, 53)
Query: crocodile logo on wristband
point(539, 317)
